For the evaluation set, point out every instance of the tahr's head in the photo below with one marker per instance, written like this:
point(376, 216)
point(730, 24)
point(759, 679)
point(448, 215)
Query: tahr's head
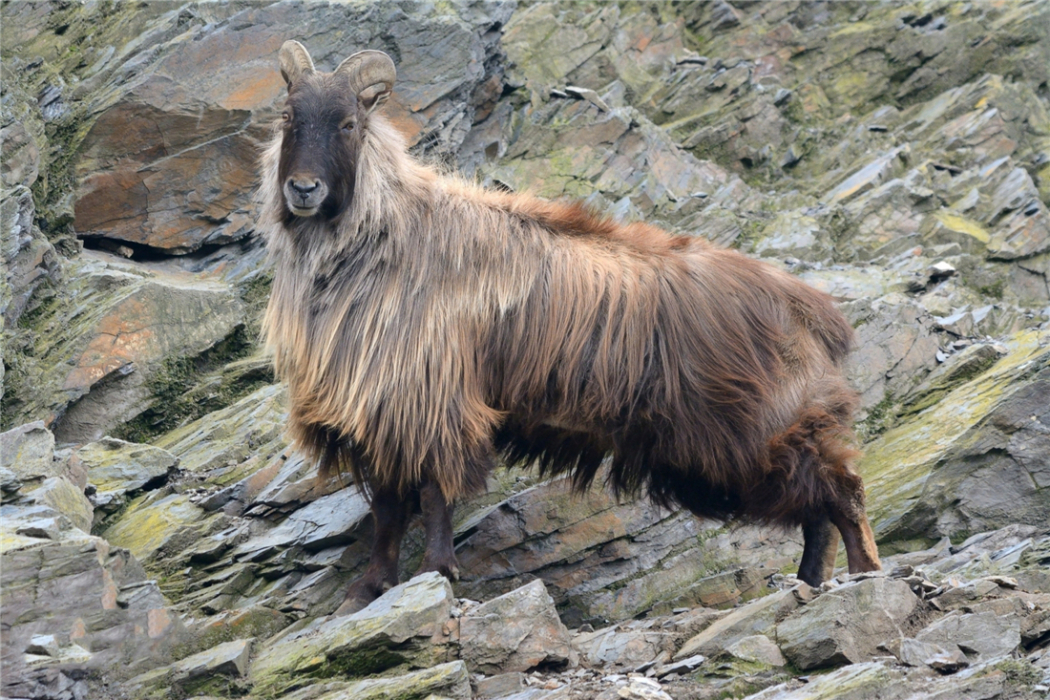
point(323, 125)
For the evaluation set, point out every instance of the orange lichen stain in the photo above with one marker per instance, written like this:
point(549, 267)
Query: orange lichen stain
point(642, 43)
point(78, 631)
point(405, 121)
point(109, 591)
point(256, 93)
point(123, 336)
point(158, 621)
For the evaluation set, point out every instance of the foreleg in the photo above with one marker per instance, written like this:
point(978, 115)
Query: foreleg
point(437, 522)
point(390, 514)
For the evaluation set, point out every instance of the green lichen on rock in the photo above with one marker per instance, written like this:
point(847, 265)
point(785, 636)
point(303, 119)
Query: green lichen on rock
point(186, 388)
point(446, 680)
point(155, 522)
point(897, 467)
point(393, 632)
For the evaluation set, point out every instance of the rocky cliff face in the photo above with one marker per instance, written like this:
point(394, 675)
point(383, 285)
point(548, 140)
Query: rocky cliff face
point(160, 540)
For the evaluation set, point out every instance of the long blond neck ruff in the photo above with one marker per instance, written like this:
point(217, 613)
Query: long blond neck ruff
point(360, 310)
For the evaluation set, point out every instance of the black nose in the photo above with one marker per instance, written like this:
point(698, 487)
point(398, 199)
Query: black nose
point(303, 189)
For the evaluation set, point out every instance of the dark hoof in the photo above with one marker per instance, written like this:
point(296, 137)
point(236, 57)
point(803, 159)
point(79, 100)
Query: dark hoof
point(449, 571)
point(361, 594)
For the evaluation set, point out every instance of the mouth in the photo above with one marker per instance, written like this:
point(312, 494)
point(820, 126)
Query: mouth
point(302, 212)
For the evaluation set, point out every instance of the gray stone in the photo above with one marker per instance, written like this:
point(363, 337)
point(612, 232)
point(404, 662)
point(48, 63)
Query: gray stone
point(981, 635)
point(680, 667)
point(604, 560)
point(34, 521)
point(795, 234)
point(928, 477)
point(63, 497)
point(514, 632)
point(947, 661)
point(912, 652)
point(863, 681)
point(961, 367)
point(196, 672)
point(628, 644)
point(28, 452)
point(757, 617)
point(9, 482)
point(109, 332)
point(328, 521)
point(246, 430)
point(757, 648)
point(501, 685)
point(94, 600)
point(119, 469)
point(896, 346)
point(846, 624)
point(642, 689)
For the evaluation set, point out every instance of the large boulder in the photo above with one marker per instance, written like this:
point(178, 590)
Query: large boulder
point(757, 617)
point(517, 631)
point(396, 629)
point(846, 625)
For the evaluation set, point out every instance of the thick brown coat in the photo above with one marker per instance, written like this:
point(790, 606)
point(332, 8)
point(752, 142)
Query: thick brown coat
point(434, 324)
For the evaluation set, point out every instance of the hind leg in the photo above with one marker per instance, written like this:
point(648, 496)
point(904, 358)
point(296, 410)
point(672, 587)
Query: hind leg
point(848, 514)
point(818, 556)
point(437, 522)
point(390, 514)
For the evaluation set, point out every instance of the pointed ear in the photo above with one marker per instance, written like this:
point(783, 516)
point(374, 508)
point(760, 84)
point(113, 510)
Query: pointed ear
point(372, 77)
point(295, 61)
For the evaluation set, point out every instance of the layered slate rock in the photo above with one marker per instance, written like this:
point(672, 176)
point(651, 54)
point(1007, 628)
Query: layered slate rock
point(28, 452)
point(982, 636)
point(926, 477)
point(92, 600)
point(118, 470)
point(214, 670)
point(109, 338)
point(398, 628)
point(40, 483)
point(757, 617)
point(603, 559)
point(448, 680)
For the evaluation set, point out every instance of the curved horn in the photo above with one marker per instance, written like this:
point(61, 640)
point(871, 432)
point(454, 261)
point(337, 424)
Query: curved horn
point(295, 61)
point(372, 75)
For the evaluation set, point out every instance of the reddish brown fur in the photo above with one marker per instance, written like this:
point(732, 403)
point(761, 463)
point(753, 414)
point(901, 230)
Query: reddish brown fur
point(425, 325)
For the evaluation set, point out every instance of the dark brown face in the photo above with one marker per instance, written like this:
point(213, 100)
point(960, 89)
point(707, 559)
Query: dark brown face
point(323, 126)
point(321, 140)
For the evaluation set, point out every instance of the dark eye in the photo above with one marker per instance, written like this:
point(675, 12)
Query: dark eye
point(347, 127)
point(286, 117)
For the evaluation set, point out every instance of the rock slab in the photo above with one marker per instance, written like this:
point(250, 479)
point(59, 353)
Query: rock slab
point(845, 625)
point(395, 629)
point(514, 632)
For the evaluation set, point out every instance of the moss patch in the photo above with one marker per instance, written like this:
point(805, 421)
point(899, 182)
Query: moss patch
point(186, 388)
